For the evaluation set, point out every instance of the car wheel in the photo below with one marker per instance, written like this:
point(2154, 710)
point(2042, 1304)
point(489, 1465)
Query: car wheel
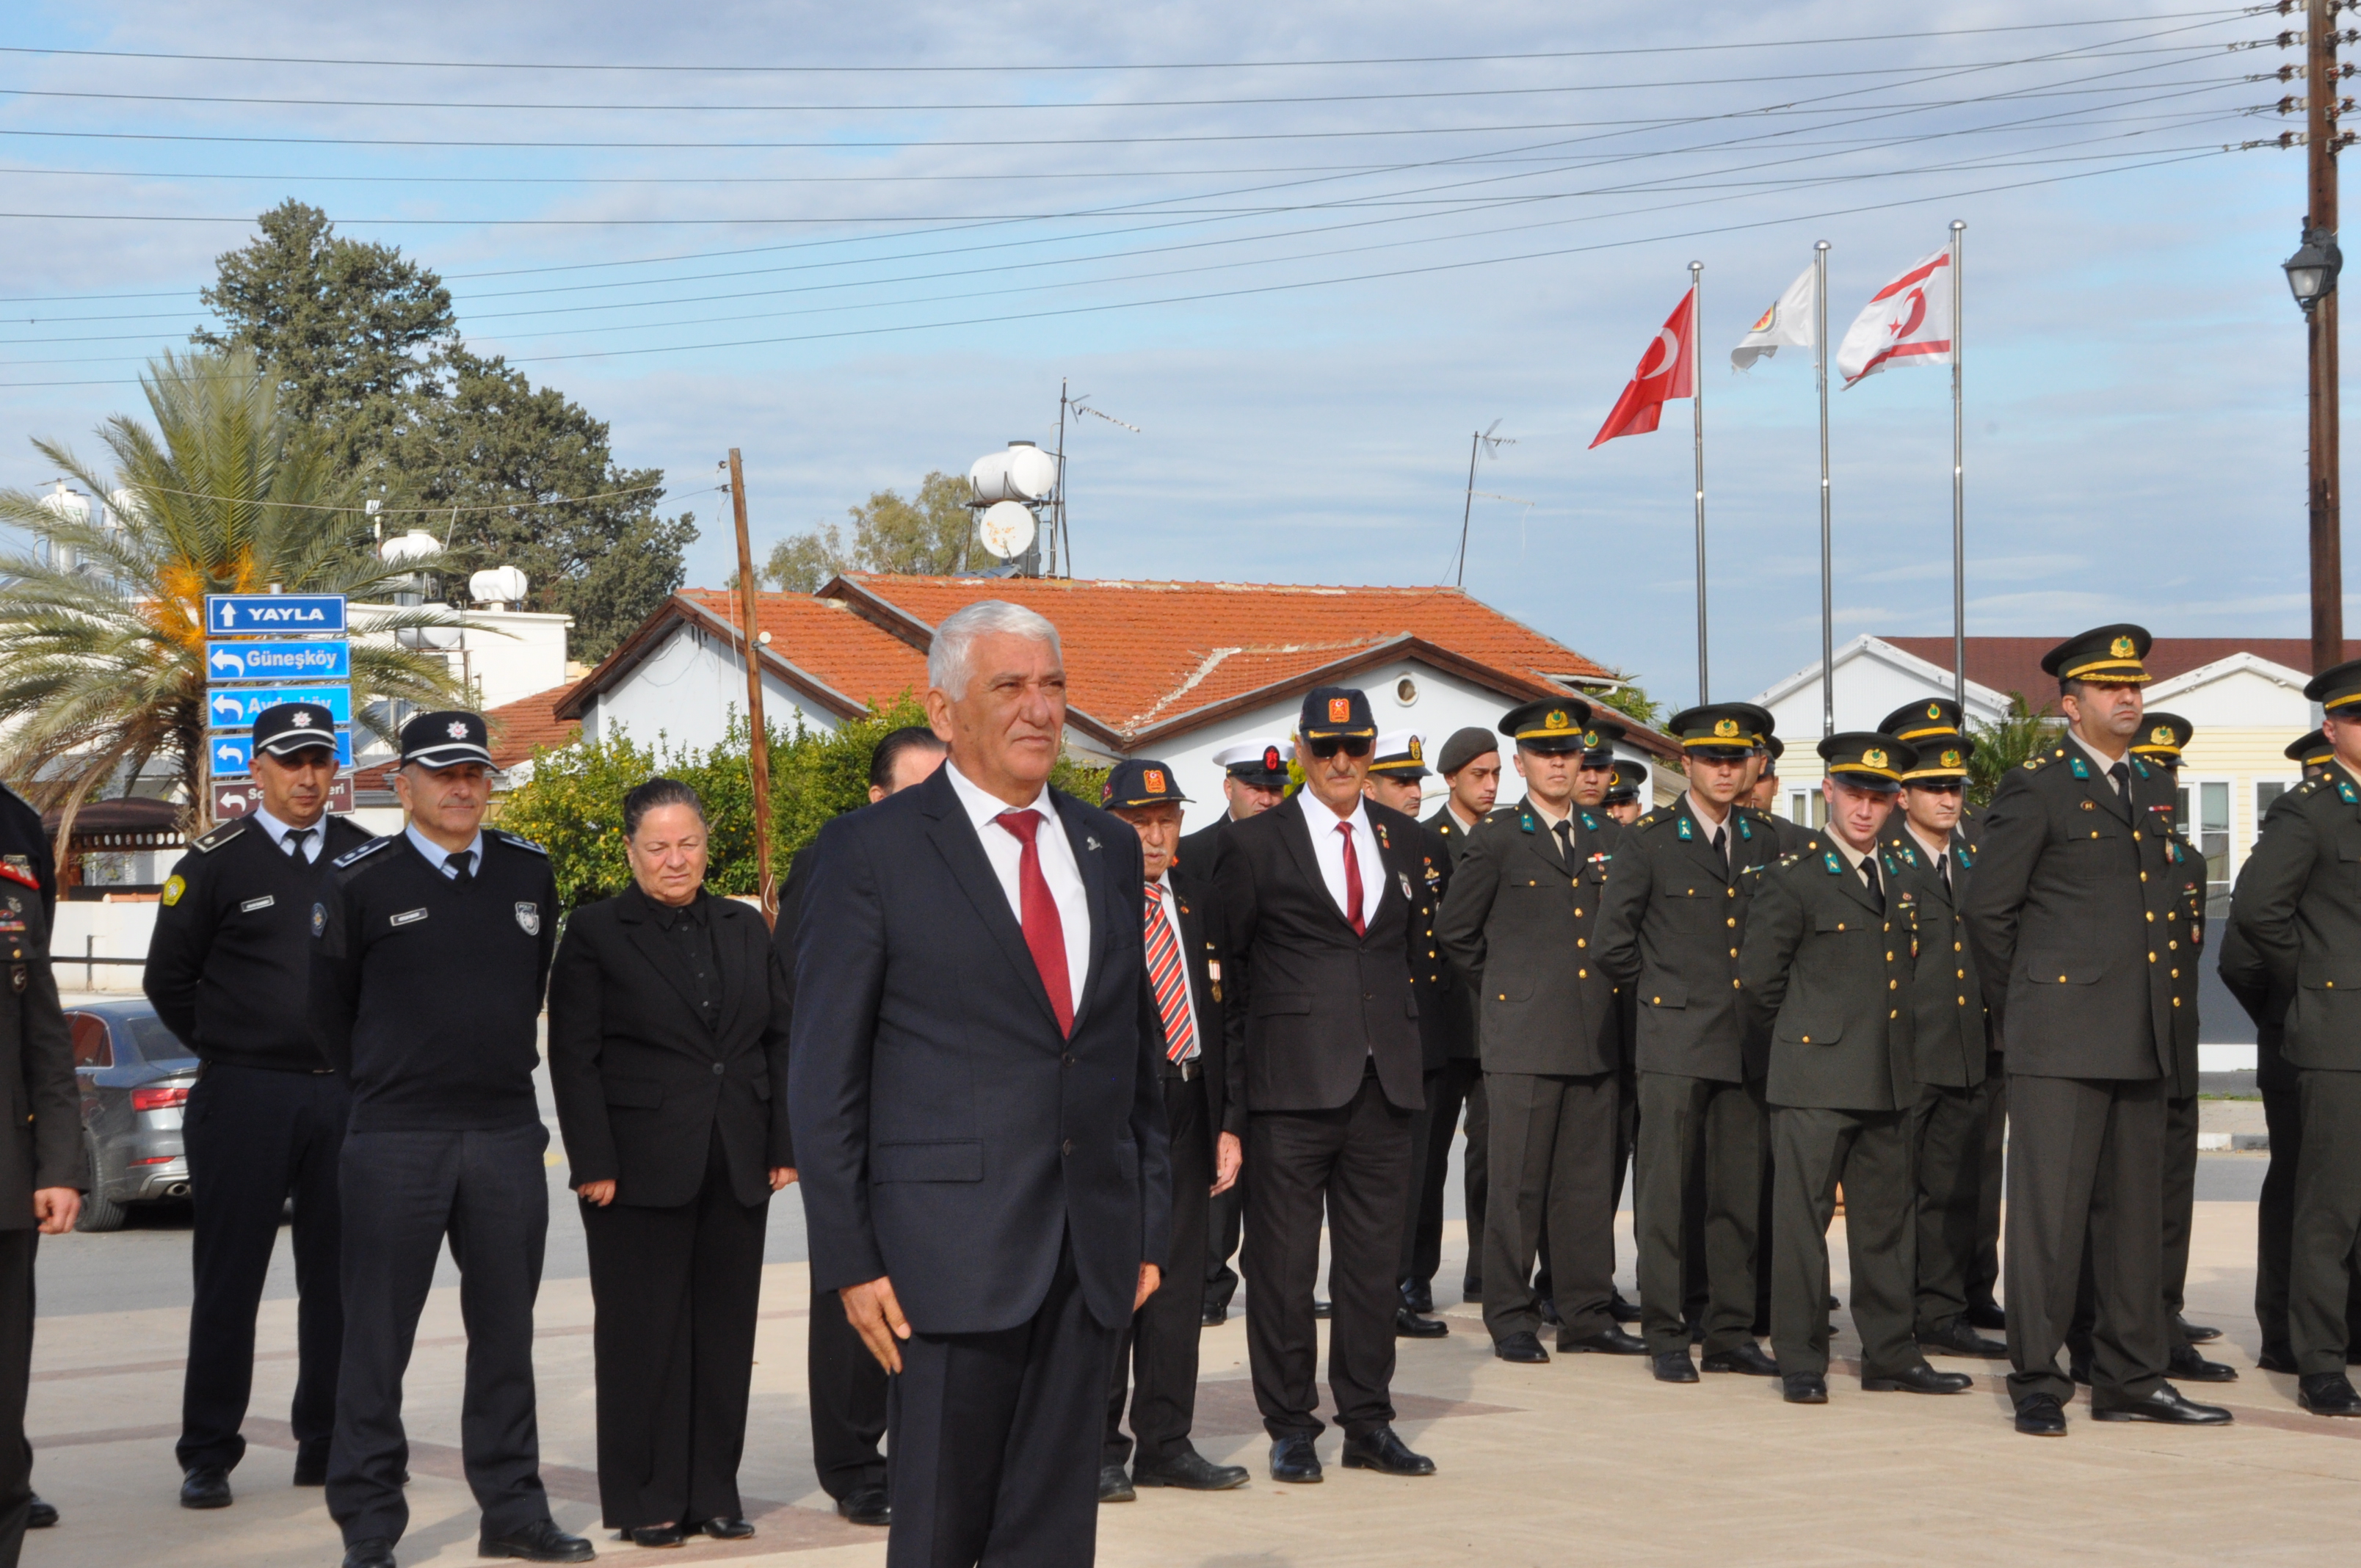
point(99, 1212)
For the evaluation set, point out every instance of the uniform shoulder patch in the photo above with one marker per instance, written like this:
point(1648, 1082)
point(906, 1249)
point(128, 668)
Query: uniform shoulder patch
point(517, 839)
point(351, 858)
point(221, 833)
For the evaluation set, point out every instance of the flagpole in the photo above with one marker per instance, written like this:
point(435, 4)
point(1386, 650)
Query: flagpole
point(1697, 411)
point(1828, 600)
point(1958, 496)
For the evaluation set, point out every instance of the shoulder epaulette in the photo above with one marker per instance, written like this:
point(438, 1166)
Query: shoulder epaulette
point(1649, 819)
point(521, 842)
point(16, 874)
point(355, 857)
point(221, 833)
point(1791, 860)
point(2035, 763)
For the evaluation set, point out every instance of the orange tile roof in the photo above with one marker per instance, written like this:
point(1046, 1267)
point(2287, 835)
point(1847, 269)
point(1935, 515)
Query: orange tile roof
point(825, 638)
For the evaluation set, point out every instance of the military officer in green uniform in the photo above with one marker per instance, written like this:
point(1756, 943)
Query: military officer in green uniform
point(1595, 775)
point(2298, 902)
point(1621, 800)
point(1674, 916)
point(2076, 922)
point(2311, 752)
point(1520, 922)
point(1831, 937)
point(1949, 1055)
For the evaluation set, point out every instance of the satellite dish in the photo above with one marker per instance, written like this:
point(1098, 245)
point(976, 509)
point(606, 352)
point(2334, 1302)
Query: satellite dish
point(498, 585)
point(1022, 473)
point(1006, 529)
point(405, 548)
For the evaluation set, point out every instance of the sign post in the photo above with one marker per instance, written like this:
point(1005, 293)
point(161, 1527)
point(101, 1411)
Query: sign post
point(262, 650)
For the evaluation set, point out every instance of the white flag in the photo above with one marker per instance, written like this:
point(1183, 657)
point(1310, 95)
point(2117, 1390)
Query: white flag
point(1787, 322)
point(1908, 321)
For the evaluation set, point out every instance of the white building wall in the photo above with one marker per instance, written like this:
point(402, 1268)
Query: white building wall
point(505, 655)
point(685, 691)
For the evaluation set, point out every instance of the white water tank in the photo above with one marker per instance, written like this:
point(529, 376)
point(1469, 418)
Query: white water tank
point(409, 549)
point(1022, 473)
point(498, 585)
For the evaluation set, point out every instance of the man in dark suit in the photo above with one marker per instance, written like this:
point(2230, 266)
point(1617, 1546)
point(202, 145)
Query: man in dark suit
point(2070, 913)
point(846, 1385)
point(1204, 1084)
point(1319, 895)
point(1675, 916)
point(975, 1100)
point(1950, 1090)
point(1517, 922)
point(1470, 764)
point(1253, 779)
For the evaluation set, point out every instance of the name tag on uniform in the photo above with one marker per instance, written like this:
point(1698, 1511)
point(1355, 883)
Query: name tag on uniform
point(251, 904)
point(408, 918)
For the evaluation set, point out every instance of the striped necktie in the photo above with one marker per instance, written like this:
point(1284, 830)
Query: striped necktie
point(1169, 976)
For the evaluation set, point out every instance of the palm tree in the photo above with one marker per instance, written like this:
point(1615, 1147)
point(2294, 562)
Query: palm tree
point(2024, 733)
point(104, 635)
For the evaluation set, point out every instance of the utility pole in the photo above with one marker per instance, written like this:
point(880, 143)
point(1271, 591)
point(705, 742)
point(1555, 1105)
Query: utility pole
point(2319, 85)
point(1467, 511)
point(759, 750)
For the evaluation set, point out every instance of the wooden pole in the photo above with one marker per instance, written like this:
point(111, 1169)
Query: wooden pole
point(759, 753)
point(2327, 501)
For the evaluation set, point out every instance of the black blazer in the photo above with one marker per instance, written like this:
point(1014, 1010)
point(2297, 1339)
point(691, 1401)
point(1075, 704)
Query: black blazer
point(1320, 1000)
point(1221, 1032)
point(642, 1082)
point(947, 1135)
point(40, 1104)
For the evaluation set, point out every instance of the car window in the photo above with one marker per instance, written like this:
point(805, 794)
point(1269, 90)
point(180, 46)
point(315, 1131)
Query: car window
point(145, 1034)
point(90, 1046)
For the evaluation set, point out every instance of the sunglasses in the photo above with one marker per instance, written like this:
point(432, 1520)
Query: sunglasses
point(1351, 745)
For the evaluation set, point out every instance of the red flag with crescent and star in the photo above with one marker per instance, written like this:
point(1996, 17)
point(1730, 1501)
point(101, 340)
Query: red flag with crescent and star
point(1667, 370)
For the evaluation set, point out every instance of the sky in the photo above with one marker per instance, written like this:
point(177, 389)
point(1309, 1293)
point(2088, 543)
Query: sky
point(1308, 251)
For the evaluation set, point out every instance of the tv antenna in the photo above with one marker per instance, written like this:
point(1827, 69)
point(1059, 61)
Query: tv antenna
point(1476, 446)
point(1061, 546)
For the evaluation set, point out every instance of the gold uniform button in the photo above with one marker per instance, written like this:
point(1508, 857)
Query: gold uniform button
point(1656, 1001)
point(1504, 997)
point(1582, 974)
point(1839, 925)
point(1808, 1039)
point(1731, 921)
point(1735, 985)
point(1964, 1001)
point(1582, 941)
point(2176, 975)
point(1733, 952)
point(1955, 946)
point(2061, 979)
point(1959, 974)
point(1893, 985)
point(2176, 1002)
point(2151, 917)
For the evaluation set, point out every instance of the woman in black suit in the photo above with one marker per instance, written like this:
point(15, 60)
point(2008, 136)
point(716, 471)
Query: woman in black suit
point(668, 1016)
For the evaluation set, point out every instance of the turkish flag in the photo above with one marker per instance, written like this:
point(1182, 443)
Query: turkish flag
point(1667, 370)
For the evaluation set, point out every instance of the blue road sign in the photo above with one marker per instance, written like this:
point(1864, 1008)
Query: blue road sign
point(234, 708)
point(274, 615)
point(232, 756)
point(326, 660)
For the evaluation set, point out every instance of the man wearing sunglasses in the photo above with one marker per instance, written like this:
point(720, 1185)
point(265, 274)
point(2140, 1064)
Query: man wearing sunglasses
point(1320, 892)
point(1952, 1100)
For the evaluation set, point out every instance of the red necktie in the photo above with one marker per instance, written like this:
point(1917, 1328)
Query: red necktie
point(1352, 882)
point(1169, 978)
point(1044, 933)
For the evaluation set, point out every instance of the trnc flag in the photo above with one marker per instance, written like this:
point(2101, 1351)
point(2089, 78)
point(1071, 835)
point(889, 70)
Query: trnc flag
point(1907, 322)
point(1786, 324)
point(1667, 370)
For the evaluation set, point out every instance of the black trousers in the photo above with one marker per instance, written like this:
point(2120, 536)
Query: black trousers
point(1947, 1135)
point(1984, 1277)
point(847, 1400)
point(1718, 1126)
point(1460, 1084)
point(2327, 1225)
point(404, 1194)
point(2275, 1227)
point(1157, 1354)
point(995, 1437)
point(2086, 1163)
point(1355, 1160)
point(2180, 1210)
point(1869, 1152)
point(1225, 1222)
point(1554, 1147)
point(675, 1291)
point(256, 1138)
point(18, 1249)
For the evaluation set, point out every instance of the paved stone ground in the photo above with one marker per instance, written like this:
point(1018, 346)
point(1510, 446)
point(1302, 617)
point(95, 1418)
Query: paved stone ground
point(1583, 1460)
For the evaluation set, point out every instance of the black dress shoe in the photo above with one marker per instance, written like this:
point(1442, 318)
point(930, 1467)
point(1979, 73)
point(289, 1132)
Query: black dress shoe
point(2190, 1366)
point(1804, 1388)
point(866, 1505)
point(656, 1535)
point(1191, 1471)
point(1418, 1295)
point(1619, 1310)
point(1524, 1349)
point(1215, 1316)
point(725, 1527)
point(1378, 1449)
point(2165, 1405)
point(1471, 1289)
point(372, 1554)
point(2080, 1371)
point(2040, 1415)
point(1988, 1317)
point(1547, 1306)
point(2327, 1394)
point(1746, 1358)
point(2276, 1358)
point(1294, 1458)
point(2195, 1334)
point(540, 1541)
point(1606, 1342)
point(1959, 1337)
point(1114, 1486)
point(206, 1486)
point(1409, 1325)
point(1674, 1366)
point(1920, 1379)
point(1320, 1308)
point(40, 1514)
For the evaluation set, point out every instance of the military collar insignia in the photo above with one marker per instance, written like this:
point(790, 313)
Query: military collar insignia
point(2344, 793)
point(1525, 820)
point(2139, 767)
point(1836, 868)
point(1688, 832)
point(1745, 831)
point(1591, 822)
point(1965, 856)
point(1909, 854)
point(2081, 769)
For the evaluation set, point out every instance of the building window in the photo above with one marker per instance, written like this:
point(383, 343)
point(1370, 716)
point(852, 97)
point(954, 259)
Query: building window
point(2204, 821)
point(2265, 792)
point(1807, 807)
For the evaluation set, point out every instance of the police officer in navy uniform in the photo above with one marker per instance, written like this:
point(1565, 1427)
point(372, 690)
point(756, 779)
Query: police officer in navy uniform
point(229, 971)
point(2077, 922)
point(431, 951)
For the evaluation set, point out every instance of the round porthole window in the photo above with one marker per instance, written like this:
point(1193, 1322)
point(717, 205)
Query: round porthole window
point(1405, 691)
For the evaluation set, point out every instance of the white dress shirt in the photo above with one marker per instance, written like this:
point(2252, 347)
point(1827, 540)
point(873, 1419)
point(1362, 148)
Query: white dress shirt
point(440, 857)
point(1328, 850)
point(1005, 851)
point(279, 831)
point(1170, 907)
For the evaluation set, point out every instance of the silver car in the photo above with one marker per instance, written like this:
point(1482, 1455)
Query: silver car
point(135, 1076)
